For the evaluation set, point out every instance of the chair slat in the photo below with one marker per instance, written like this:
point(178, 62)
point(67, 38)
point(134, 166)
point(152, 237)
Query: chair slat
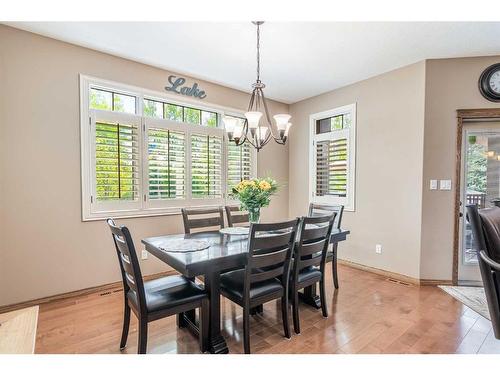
point(313, 247)
point(269, 259)
point(203, 223)
point(314, 233)
point(270, 241)
point(266, 275)
point(314, 261)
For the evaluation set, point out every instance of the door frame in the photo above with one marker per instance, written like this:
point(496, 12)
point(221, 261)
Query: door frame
point(462, 116)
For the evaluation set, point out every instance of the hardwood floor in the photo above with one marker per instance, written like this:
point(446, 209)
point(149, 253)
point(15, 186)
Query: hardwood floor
point(368, 314)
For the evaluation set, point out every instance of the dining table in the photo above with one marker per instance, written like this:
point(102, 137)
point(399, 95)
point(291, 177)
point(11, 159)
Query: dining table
point(223, 253)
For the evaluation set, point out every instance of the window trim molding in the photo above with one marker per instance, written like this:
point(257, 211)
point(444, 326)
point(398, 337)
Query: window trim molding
point(86, 174)
point(350, 201)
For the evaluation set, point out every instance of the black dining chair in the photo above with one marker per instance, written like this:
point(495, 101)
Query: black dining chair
point(326, 209)
point(490, 273)
point(309, 260)
point(202, 218)
point(236, 216)
point(266, 274)
point(155, 299)
point(485, 226)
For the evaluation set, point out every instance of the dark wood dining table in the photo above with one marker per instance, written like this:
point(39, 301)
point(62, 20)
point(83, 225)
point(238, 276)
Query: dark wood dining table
point(226, 252)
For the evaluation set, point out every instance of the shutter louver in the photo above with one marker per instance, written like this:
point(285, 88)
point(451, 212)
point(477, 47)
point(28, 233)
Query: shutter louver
point(238, 164)
point(331, 168)
point(116, 161)
point(166, 164)
point(206, 166)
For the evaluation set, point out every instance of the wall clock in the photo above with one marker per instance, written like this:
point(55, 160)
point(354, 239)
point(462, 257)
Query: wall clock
point(489, 83)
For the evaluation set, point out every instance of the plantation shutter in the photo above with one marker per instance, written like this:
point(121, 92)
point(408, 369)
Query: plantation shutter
point(166, 163)
point(331, 167)
point(116, 161)
point(206, 166)
point(239, 164)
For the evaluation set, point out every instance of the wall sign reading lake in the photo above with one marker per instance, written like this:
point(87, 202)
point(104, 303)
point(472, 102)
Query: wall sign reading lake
point(177, 87)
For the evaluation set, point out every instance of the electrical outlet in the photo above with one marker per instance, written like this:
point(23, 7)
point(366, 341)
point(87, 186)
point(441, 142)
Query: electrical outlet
point(378, 249)
point(144, 255)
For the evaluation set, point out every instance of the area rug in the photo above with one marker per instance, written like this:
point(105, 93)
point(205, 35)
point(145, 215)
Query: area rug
point(470, 296)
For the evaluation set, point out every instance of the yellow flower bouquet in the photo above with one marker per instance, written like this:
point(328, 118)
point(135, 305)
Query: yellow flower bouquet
point(255, 194)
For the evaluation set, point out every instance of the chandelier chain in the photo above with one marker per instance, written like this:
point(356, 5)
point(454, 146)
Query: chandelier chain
point(258, 52)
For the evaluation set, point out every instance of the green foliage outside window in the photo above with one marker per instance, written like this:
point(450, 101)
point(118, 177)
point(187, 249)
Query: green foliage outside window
point(173, 112)
point(476, 167)
point(192, 116)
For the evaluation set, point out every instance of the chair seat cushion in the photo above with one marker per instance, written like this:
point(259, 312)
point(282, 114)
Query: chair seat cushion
point(167, 292)
point(232, 284)
point(309, 274)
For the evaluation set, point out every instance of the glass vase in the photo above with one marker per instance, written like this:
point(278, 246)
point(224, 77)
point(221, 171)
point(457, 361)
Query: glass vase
point(254, 215)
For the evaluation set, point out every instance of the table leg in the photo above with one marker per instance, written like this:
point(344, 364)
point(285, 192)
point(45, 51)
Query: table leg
point(310, 296)
point(217, 344)
point(257, 310)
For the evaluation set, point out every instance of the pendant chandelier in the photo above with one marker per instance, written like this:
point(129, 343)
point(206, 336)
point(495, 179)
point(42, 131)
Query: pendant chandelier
point(254, 131)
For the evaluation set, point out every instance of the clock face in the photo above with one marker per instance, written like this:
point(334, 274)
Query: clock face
point(494, 82)
point(489, 83)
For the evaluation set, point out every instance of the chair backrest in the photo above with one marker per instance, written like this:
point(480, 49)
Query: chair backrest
point(196, 218)
point(485, 225)
point(490, 273)
point(312, 247)
point(270, 249)
point(129, 264)
point(327, 209)
point(235, 216)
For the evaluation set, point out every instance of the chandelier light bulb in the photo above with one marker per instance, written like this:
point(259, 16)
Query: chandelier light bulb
point(229, 123)
point(238, 130)
point(253, 119)
point(281, 121)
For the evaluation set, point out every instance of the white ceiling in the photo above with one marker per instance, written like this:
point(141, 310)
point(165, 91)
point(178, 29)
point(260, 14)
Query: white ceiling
point(299, 60)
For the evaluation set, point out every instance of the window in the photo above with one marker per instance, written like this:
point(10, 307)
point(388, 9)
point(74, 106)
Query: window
point(332, 156)
point(166, 164)
point(145, 156)
point(206, 166)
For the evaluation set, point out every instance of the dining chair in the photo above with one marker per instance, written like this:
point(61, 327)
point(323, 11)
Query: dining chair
point(485, 226)
point(236, 216)
point(325, 209)
point(155, 299)
point(198, 218)
point(490, 273)
point(266, 274)
point(309, 260)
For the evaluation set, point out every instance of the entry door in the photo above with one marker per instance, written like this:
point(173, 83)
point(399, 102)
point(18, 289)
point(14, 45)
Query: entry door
point(480, 185)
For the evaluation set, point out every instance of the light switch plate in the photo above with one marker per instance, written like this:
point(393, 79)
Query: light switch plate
point(445, 185)
point(433, 185)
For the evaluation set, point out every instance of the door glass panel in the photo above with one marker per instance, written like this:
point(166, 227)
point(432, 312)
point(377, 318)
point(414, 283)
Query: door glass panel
point(482, 181)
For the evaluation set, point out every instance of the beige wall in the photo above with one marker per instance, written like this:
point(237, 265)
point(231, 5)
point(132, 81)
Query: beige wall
point(45, 248)
point(451, 84)
point(390, 126)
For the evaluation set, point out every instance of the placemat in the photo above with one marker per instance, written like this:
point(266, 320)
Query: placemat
point(184, 245)
point(235, 231)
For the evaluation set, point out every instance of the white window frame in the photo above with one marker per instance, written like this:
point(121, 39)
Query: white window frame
point(350, 133)
point(92, 210)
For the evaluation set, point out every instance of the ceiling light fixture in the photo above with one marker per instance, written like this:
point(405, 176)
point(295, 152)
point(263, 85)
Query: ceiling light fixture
point(252, 130)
